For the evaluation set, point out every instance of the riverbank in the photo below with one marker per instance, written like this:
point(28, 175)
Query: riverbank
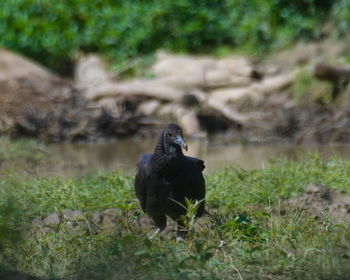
point(279, 99)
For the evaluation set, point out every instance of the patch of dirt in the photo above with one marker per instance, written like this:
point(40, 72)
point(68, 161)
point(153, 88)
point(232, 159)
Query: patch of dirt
point(318, 200)
point(110, 221)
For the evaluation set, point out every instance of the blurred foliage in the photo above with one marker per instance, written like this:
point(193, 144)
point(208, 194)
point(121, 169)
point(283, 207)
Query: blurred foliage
point(9, 222)
point(52, 31)
point(307, 88)
point(302, 86)
point(26, 149)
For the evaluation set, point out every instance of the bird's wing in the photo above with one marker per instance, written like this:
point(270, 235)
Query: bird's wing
point(141, 179)
point(195, 162)
point(196, 187)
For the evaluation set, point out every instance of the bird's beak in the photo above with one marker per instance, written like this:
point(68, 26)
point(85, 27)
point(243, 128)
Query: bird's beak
point(180, 141)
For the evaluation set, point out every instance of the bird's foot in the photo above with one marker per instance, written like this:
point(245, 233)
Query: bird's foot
point(154, 234)
point(181, 235)
point(179, 239)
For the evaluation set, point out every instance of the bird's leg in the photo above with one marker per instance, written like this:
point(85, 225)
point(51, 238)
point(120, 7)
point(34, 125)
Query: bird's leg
point(181, 232)
point(154, 234)
point(160, 222)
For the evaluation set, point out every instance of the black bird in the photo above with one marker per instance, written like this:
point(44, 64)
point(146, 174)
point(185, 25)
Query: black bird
point(165, 178)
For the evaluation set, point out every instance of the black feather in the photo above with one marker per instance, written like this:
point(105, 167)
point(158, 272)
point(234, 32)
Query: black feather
point(167, 176)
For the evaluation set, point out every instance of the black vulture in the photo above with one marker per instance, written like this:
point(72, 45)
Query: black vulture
point(165, 178)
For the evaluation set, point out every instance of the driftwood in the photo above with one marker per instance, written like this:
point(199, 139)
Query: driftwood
point(219, 99)
point(182, 82)
point(203, 94)
point(186, 117)
point(331, 73)
point(98, 105)
point(255, 90)
point(204, 71)
point(228, 112)
point(137, 88)
point(339, 76)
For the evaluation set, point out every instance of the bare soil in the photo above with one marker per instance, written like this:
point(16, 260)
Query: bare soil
point(320, 201)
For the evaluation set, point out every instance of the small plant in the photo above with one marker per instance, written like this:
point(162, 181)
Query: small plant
point(189, 218)
point(241, 227)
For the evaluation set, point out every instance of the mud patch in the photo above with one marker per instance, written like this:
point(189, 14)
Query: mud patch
point(111, 221)
point(318, 201)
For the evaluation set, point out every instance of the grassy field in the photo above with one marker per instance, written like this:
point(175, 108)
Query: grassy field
point(244, 237)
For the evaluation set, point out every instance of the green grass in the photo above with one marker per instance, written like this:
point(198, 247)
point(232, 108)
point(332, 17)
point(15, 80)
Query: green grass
point(27, 149)
point(243, 238)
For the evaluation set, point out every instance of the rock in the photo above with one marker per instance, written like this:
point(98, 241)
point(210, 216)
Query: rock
point(72, 215)
point(25, 85)
point(318, 191)
point(37, 103)
point(110, 218)
point(96, 218)
point(52, 219)
point(39, 227)
point(15, 67)
point(75, 222)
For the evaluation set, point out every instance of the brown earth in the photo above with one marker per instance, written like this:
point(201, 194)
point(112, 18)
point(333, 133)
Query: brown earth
point(320, 201)
point(109, 221)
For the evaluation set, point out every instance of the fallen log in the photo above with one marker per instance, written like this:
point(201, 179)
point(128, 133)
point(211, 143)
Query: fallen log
point(228, 112)
point(256, 90)
point(331, 73)
point(204, 72)
point(219, 99)
point(138, 88)
point(339, 76)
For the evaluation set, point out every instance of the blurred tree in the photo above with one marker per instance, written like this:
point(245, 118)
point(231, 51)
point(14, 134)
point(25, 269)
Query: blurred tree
point(52, 31)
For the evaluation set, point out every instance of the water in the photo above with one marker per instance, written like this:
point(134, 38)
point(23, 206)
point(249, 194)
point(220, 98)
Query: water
point(79, 159)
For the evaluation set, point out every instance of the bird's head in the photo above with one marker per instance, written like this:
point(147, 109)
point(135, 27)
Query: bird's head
point(173, 139)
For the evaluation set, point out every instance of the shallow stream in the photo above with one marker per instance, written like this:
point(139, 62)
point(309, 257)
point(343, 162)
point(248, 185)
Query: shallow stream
point(123, 154)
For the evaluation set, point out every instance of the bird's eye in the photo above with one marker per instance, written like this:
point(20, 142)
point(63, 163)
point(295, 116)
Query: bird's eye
point(169, 134)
